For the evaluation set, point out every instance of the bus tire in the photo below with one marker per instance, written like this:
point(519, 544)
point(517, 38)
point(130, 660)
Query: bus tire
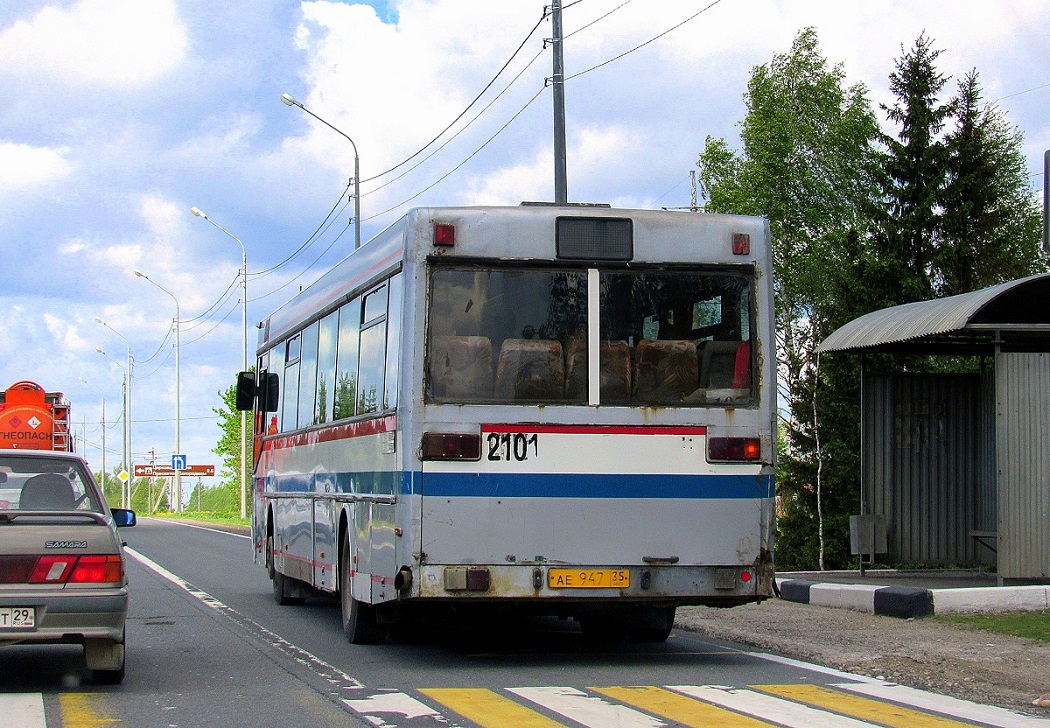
point(282, 593)
point(359, 619)
point(654, 625)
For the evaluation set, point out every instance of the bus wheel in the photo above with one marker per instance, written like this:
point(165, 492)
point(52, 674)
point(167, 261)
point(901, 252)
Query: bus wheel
point(653, 625)
point(281, 588)
point(359, 619)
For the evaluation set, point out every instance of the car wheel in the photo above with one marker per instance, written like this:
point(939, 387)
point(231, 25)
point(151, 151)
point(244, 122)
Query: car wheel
point(359, 619)
point(109, 653)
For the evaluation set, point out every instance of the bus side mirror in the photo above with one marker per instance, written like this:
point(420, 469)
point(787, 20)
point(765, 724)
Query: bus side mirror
point(245, 391)
point(269, 394)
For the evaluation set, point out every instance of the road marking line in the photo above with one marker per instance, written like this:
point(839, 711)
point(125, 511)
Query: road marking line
point(193, 525)
point(488, 709)
point(336, 677)
point(956, 707)
point(399, 703)
point(766, 707)
point(79, 711)
point(587, 709)
point(679, 708)
point(876, 711)
point(25, 710)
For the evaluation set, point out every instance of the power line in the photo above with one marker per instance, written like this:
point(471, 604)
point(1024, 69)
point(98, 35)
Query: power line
point(469, 106)
point(642, 45)
point(596, 20)
point(458, 166)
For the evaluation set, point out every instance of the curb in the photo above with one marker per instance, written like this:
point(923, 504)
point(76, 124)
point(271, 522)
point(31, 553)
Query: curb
point(911, 602)
point(891, 601)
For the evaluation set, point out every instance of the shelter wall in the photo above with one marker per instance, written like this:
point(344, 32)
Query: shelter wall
point(926, 465)
point(1023, 447)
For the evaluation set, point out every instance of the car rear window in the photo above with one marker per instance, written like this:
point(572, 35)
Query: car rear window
point(45, 484)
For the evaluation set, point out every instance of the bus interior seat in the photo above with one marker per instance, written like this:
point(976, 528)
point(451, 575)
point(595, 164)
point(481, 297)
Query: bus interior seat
point(530, 369)
point(614, 362)
point(47, 492)
point(664, 370)
point(725, 364)
point(461, 366)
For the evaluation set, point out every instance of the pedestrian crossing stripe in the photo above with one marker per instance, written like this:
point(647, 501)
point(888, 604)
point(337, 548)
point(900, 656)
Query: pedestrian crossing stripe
point(845, 705)
point(887, 714)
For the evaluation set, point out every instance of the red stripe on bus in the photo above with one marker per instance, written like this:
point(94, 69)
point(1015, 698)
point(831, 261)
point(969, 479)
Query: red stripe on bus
point(302, 559)
point(595, 429)
point(345, 431)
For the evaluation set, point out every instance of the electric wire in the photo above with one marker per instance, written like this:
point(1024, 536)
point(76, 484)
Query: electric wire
point(596, 20)
point(642, 45)
point(461, 130)
point(458, 166)
point(305, 270)
point(468, 108)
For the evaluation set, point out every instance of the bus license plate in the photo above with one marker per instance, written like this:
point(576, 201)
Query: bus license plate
point(588, 578)
point(17, 617)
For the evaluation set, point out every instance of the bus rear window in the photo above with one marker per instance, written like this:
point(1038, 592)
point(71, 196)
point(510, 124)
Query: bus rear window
point(666, 337)
point(505, 335)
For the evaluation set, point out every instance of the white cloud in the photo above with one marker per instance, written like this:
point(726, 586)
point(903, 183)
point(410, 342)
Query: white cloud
point(24, 167)
point(111, 43)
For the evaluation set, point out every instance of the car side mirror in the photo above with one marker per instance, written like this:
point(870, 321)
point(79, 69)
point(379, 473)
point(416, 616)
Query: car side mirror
point(123, 517)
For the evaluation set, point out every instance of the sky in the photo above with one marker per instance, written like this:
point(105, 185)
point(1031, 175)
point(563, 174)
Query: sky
point(121, 115)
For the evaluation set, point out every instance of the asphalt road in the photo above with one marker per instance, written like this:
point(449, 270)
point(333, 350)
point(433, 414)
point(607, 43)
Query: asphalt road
point(207, 646)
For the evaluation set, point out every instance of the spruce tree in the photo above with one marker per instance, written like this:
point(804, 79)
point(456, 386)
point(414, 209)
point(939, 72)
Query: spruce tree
point(990, 220)
point(912, 172)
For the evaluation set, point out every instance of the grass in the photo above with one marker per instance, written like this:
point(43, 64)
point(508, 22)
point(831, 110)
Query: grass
point(220, 519)
point(1033, 625)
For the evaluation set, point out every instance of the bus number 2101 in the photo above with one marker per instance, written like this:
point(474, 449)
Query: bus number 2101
point(512, 446)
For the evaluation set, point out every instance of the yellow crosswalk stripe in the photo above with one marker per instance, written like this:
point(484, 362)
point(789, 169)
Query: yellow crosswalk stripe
point(887, 714)
point(679, 708)
point(489, 709)
point(83, 710)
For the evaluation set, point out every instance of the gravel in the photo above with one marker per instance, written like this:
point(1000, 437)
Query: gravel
point(955, 660)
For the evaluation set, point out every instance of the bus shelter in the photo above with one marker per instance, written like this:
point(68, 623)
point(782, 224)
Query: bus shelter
point(956, 467)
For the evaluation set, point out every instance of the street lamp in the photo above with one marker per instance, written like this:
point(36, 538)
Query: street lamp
point(125, 486)
point(178, 473)
point(244, 352)
point(289, 100)
point(127, 410)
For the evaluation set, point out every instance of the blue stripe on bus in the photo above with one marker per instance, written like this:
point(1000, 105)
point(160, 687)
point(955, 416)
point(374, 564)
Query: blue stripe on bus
point(569, 485)
point(520, 485)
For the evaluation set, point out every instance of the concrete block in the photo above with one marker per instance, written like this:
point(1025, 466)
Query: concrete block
point(991, 599)
point(850, 596)
point(904, 602)
point(795, 590)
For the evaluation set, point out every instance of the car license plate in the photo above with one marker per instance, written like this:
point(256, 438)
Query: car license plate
point(588, 578)
point(17, 617)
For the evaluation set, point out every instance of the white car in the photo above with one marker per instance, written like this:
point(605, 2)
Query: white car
point(62, 565)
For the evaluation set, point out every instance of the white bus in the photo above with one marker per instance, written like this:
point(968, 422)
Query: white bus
point(432, 429)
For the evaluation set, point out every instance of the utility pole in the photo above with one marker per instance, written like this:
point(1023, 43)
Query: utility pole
point(561, 192)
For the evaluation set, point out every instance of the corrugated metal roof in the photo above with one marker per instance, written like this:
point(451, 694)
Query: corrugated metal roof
point(912, 321)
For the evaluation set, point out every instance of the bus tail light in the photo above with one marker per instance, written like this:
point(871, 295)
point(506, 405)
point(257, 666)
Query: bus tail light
point(733, 449)
point(444, 234)
point(451, 446)
point(741, 244)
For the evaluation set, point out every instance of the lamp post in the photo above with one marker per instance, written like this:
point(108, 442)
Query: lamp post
point(127, 410)
point(178, 473)
point(244, 352)
point(125, 493)
point(289, 100)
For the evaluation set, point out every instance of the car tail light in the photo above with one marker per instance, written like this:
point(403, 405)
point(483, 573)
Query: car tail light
point(53, 569)
point(16, 569)
point(734, 449)
point(98, 569)
point(451, 446)
point(66, 568)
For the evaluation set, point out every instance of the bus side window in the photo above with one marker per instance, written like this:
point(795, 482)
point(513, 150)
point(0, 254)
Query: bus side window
point(346, 360)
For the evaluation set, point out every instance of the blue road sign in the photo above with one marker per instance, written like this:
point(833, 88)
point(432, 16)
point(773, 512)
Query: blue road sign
point(178, 462)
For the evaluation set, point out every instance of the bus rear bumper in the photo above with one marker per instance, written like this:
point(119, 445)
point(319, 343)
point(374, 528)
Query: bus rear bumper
point(678, 585)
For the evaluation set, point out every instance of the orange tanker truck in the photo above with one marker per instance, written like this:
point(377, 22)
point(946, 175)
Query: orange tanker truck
point(32, 419)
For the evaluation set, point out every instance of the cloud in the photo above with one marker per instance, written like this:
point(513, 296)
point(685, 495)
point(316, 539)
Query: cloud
point(110, 43)
point(24, 167)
